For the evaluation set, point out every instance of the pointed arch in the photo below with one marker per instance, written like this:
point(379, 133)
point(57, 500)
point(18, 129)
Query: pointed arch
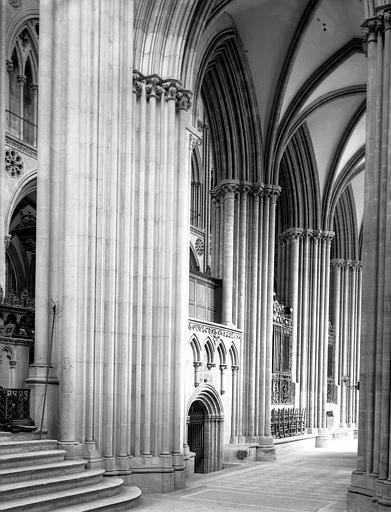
point(209, 350)
point(222, 351)
point(210, 397)
point(233, 352)
point(196, 348)
point(225, 85)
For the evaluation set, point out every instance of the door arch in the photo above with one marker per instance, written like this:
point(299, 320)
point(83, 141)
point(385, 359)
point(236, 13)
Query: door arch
point(205, 429)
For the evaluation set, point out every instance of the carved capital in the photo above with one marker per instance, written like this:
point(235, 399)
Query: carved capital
point(245, 189)
point(235, 369)
point(183, 99)
point(293, 234)
point(153, 86)
point(7, 241)
point(337, 264)
point(328, 236)
point(272, 192)
point(216, 196)
point(21, 80)
point(171, 88)
point(229, 189)
point(197, 364)
point(257, 189)
point(9, 65)
point(138, 82)
point(353, 265)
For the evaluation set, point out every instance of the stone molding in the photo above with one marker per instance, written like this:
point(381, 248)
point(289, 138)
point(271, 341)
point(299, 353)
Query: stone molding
point(214, 330)
point(245, 188)
point(317, 235)
point(340, 263)
point(160, 88)
point(20, 146)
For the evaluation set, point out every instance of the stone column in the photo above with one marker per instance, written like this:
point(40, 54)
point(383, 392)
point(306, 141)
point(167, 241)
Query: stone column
point(34, 88)
point(336, 266)
point(21, 80)
point(293, 237)
point(3, 107)
point(371, 482)
point(234, 410)
point(304, 361)
point(271, 194)
point(228, 191)
point(327, 238)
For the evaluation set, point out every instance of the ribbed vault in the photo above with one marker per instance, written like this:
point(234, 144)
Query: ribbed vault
point(227, 94)
point(299, 204)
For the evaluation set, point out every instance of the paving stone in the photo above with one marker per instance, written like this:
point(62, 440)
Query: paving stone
point(313, 481)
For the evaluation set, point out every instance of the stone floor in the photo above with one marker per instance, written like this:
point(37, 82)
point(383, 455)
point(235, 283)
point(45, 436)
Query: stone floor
point(306, 481)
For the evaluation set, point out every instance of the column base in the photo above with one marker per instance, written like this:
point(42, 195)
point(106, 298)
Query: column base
point(73, 448)
point(362, 494)
point(91, 453)
point(266, 449)
point(165, 473)
point(37, 383)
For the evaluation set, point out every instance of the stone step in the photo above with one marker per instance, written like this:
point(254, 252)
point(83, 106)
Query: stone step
point(17, 460)
point(122, 501)
point(5, 435)
point(34, 472)
point(66, 498)
point(18, 490)
point(12, 446)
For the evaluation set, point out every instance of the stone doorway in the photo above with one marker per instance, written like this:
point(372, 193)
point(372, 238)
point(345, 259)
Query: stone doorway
point(205, 430)
point(196, 434)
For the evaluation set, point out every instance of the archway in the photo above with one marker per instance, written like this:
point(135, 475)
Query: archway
point(205, 430)
point(196, 434)
point(20, 252)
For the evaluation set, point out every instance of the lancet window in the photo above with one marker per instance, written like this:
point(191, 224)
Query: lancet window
point(22, 66)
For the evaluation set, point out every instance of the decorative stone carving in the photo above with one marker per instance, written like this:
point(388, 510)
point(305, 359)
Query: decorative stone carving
point(20, 146)
point(158, 87)
point(213, 330)
point(15, 3)
point(337, 264)
point(21, 80)
point(7, 241)
point(13, 163)
point(9, 65)
point(293, 234)
point(199, 246)
point(153, 87)
point(273, 192)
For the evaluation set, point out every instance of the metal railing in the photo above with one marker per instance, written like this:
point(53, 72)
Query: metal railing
point(287, 422)
point(14, 404)
point(22, 128)
point(332, 395)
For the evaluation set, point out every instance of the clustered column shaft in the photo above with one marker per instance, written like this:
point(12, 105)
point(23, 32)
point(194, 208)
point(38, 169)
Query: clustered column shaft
point(243, 255)
point(113, 230)
point(371, 482)
point(304, 257)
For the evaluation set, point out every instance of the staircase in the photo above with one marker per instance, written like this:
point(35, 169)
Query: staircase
point(34, 476)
